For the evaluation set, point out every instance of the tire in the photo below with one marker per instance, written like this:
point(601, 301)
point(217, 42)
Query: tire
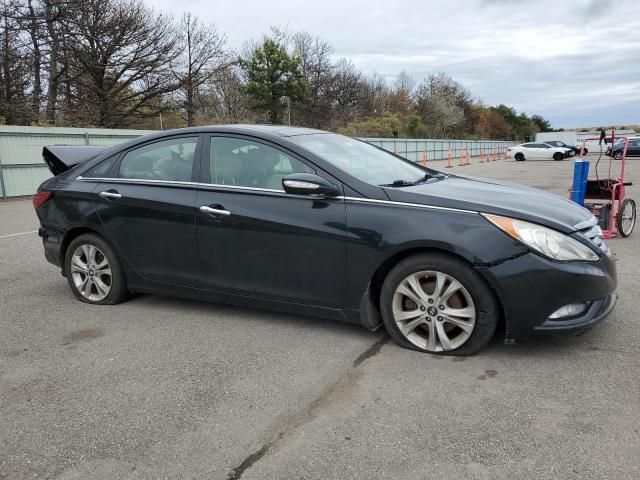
point(519, 157)
point(617, 155)
point(626, 220)
point(94, 272)
point(558, 156)
point(471, 303)
point(584, 152)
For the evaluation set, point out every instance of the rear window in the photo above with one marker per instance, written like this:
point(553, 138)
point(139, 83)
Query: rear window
point(169, 160)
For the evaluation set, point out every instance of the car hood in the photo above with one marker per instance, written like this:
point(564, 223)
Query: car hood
point(492, 196)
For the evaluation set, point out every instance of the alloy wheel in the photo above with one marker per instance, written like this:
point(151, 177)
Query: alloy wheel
point(434, 311)
point(91, 272)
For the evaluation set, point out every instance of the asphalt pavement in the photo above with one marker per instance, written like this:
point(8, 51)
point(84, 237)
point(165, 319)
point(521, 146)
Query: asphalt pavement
point(168, 388)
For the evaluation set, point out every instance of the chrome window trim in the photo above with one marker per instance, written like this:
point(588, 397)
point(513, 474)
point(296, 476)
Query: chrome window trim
point(141, 181)
point(268, 190)
point(134, 180)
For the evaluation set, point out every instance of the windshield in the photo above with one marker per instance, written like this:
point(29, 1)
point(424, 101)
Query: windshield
point(360, 160)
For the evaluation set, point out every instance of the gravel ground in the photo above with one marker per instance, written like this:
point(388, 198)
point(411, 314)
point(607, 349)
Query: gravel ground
point(167, 388)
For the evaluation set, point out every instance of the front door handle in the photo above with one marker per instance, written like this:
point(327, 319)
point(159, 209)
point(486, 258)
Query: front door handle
point(110, 195)
point(214, 211)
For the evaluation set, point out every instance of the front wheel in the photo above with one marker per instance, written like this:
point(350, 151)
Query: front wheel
point(438, 304)
point(94, 272)
point(617, 155)
point(627, 217)
point(558, 156)
point(519, 157)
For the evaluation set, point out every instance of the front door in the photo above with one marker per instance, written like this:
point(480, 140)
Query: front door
point(148, 210)
point(256, 240)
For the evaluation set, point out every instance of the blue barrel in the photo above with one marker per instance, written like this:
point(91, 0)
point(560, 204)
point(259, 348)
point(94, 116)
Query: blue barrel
point(580, 176)
point(583, 181)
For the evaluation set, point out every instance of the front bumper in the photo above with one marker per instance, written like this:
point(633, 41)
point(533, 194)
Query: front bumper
point(531, 288)
point(598, 310)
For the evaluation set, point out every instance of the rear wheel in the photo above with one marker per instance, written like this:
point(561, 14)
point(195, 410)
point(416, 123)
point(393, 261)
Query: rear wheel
point(519, 157)
point(558, 156)
point(627, 217)
point(438, 304)
point(94, 272)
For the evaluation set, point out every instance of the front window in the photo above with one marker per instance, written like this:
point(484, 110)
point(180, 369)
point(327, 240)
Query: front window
point(359, 159)
point(246, 163)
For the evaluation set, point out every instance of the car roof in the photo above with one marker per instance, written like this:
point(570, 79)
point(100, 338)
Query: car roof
point(274, 130)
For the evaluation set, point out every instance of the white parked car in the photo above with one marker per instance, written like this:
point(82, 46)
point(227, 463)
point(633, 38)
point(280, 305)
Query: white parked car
point(537, 151)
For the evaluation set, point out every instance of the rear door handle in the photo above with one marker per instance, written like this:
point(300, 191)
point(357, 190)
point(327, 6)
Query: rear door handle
point(214, 211)
point(110, 195)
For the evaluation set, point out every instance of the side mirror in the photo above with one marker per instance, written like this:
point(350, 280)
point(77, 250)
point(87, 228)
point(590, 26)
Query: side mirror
point(309, 184)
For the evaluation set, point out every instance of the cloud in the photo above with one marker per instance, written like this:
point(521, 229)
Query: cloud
point(575, 62)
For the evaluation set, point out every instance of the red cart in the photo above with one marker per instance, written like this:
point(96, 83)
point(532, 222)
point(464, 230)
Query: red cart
point(606, 199)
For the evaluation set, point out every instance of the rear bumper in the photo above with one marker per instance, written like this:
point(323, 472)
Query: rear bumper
point(52, 241)
point(531, 288)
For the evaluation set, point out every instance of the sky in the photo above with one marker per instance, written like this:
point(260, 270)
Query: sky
point(575, 62)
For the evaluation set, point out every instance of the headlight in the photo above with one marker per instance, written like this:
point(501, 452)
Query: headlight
point(548, 242)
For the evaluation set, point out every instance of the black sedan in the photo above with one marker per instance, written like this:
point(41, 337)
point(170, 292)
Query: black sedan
point(323, 225)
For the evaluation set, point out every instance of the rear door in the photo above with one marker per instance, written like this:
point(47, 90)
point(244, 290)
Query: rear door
point(634, 148)
point(147, 207)
point(259, 241)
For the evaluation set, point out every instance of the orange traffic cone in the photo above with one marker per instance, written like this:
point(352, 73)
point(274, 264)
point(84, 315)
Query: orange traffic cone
point(449, 165)
point(423, 161)
point(481, 155)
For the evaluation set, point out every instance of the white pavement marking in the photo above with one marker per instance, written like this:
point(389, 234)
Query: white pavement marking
point(16, 234)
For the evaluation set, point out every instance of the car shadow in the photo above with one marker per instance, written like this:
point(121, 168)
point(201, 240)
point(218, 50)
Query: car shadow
point(534, 347)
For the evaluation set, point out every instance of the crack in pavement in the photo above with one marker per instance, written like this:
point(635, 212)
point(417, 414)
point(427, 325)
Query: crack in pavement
point(291, 422)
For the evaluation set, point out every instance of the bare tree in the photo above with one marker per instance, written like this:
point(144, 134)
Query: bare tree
point(317, 69)
point(119, 53)
point(203, 56)
point(345, 86)
point(15, 64)
point(440, 102)
point(224, 100)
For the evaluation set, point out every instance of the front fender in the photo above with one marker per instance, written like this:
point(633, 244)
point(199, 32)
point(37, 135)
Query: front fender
point(377, 234)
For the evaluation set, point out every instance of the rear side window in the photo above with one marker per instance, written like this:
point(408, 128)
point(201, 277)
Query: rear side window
point(245, 163)
point(101, 169)
point(170, 160)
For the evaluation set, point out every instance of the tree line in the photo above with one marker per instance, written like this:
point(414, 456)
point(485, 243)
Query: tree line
point(121, 64)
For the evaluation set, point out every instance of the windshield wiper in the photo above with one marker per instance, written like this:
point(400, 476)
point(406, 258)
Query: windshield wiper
point(429, 176)
point(399, 183)
point(407, 183)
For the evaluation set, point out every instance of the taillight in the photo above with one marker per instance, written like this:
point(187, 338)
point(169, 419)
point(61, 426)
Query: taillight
point(41, 198)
